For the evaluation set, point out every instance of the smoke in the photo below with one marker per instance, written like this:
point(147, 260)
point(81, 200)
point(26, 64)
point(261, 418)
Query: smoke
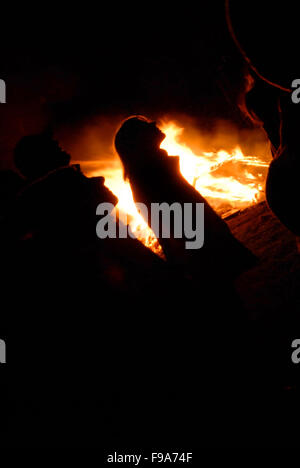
point(91, 143)
point(216, 134)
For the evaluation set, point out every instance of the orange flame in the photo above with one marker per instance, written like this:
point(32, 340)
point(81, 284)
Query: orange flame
point(241, 188)
point(228, 180)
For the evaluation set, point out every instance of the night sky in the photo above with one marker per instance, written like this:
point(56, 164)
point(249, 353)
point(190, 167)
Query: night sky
point(64, 67)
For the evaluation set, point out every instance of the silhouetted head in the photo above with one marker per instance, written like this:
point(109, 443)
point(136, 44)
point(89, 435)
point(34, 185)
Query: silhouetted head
point(136, 139)
point(36, 155)
point(267, 38)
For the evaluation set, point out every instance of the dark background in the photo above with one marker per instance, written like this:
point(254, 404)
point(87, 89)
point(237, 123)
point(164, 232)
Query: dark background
point(65, 64)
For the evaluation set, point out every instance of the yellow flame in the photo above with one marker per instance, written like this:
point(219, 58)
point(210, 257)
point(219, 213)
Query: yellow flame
point(205, 171)
point(200, 171)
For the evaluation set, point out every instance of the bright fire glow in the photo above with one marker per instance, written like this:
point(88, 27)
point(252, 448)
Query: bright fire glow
point(228, 180)
point(226, 193)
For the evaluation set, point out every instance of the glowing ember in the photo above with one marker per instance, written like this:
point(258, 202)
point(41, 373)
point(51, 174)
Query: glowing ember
point(229, 181)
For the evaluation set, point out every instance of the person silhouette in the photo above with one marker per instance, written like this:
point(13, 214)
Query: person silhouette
point(58, 201)
point(270, 94)
point(57, 208)
point(205, 307)
point(84, 294)
point(155, 178)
